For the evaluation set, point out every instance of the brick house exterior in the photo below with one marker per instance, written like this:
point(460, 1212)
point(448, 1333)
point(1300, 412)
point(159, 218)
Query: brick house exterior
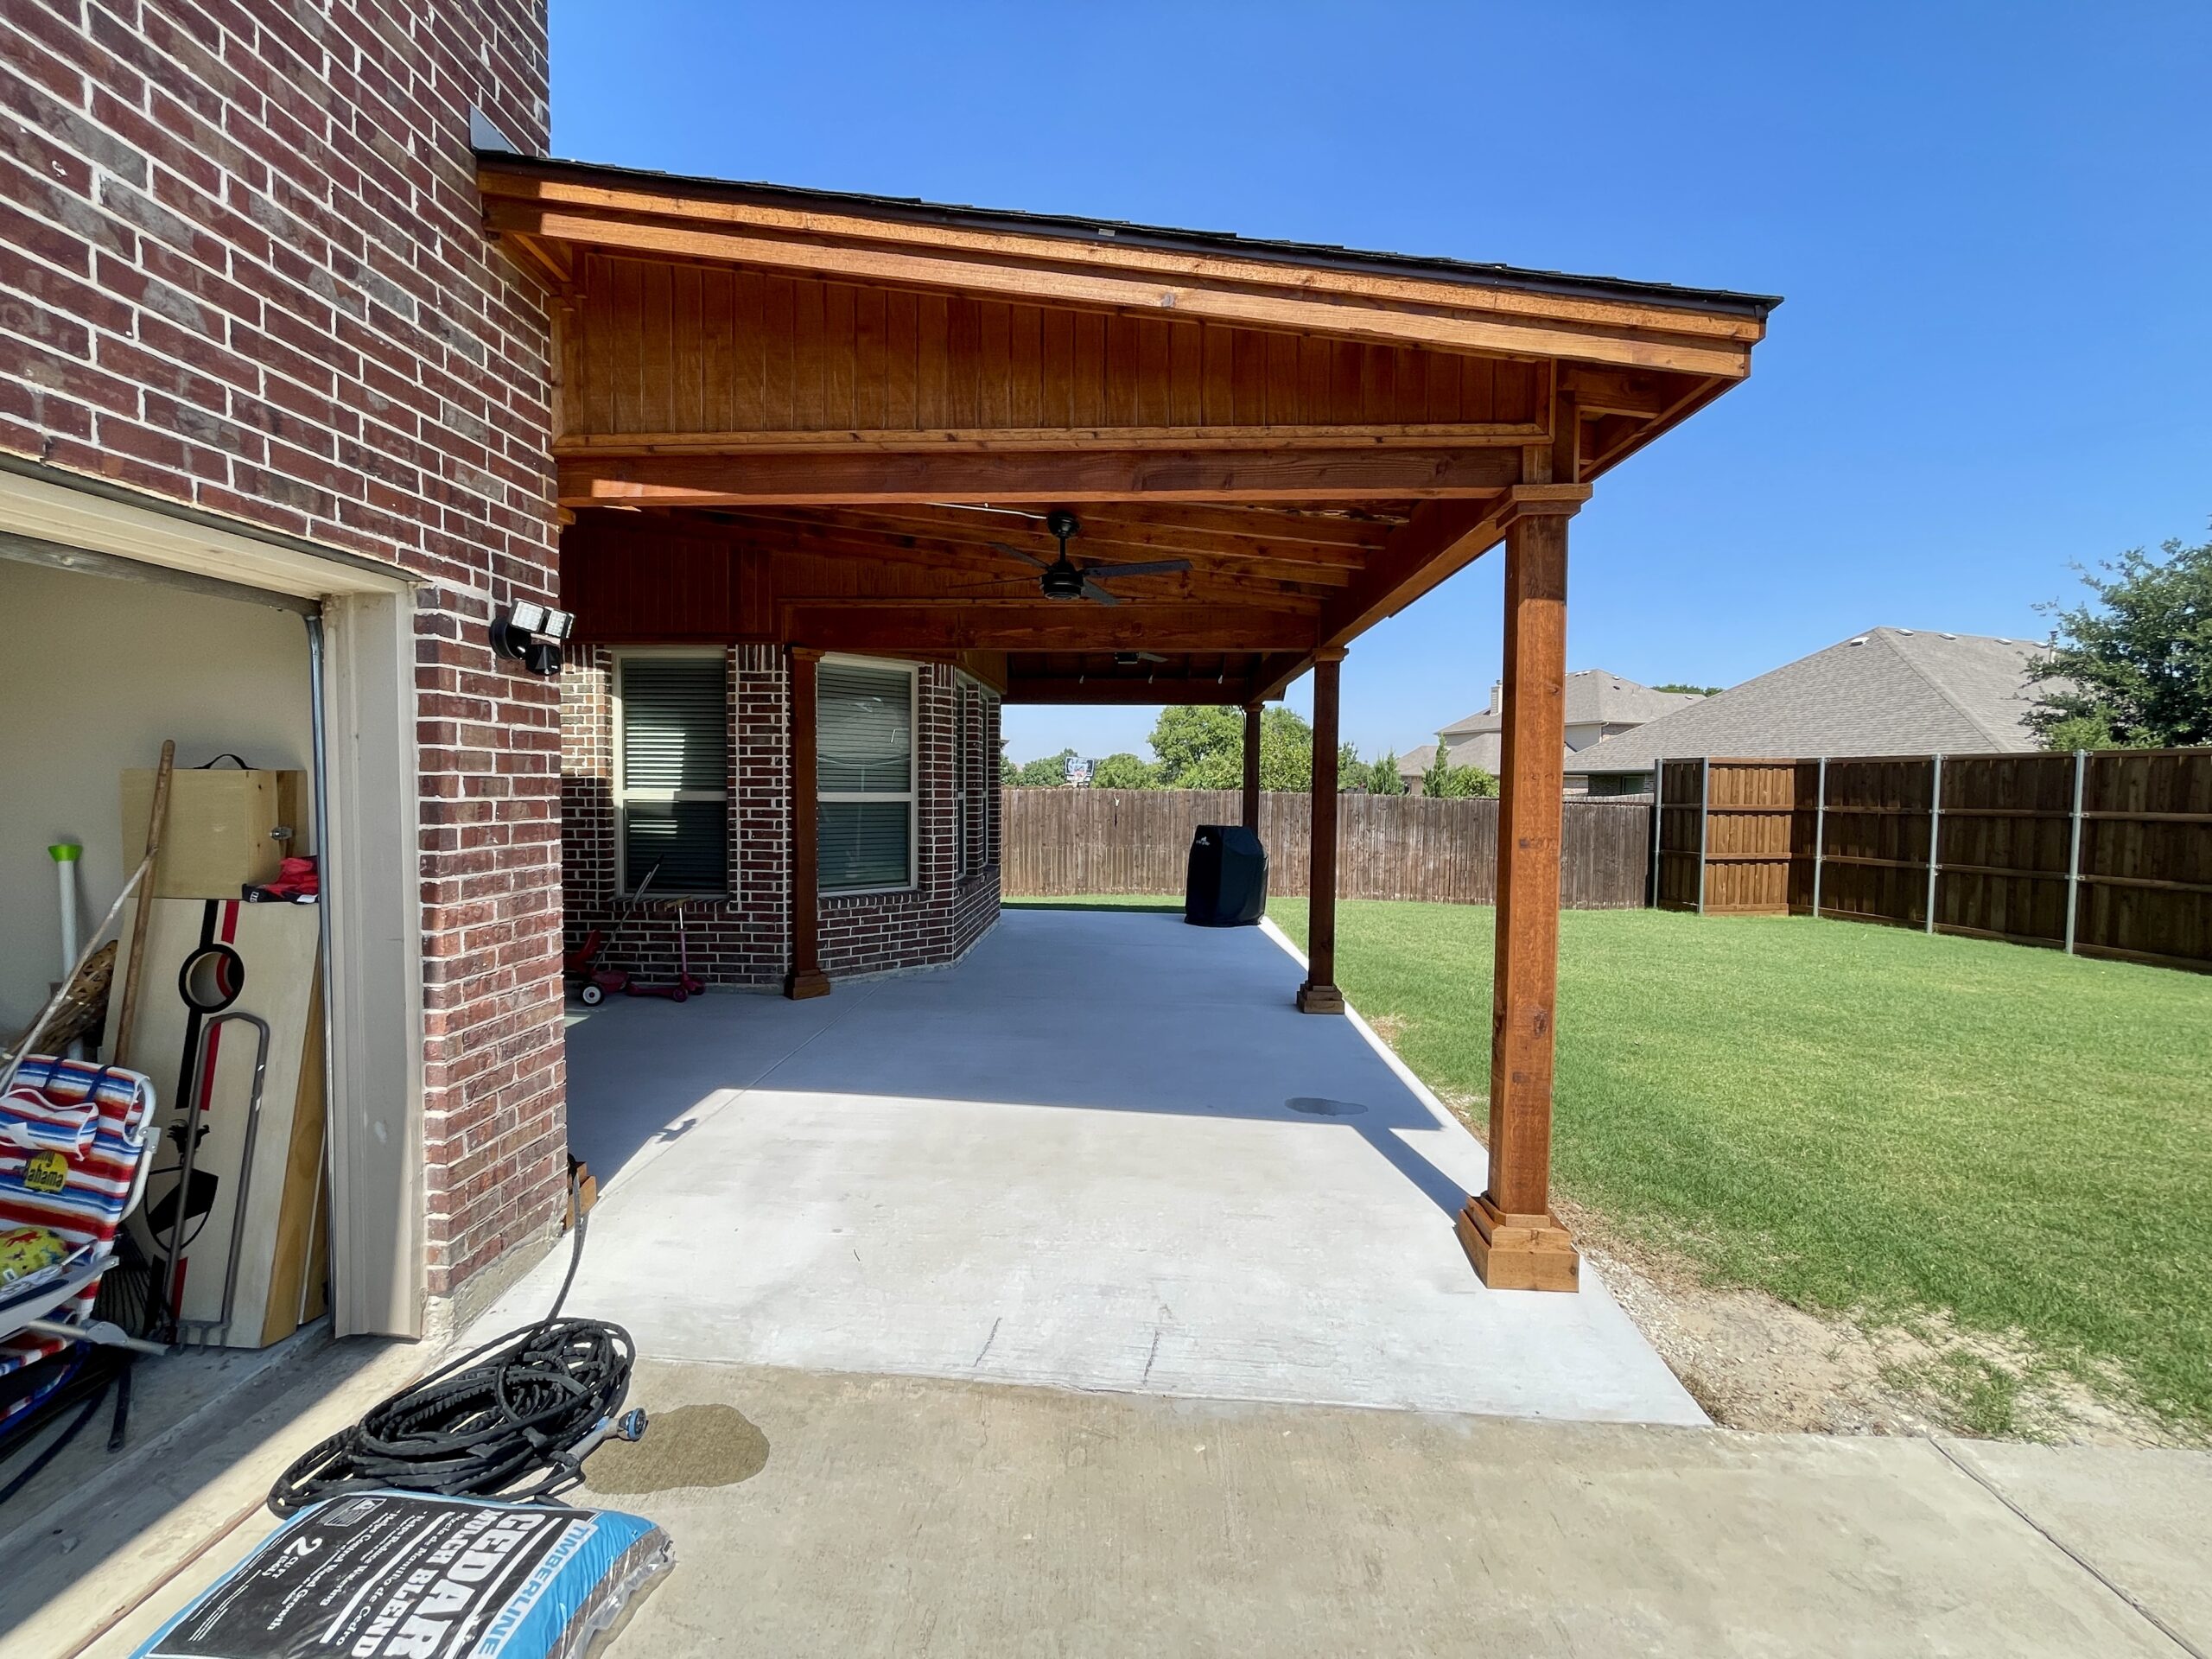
point(745, 941)
point(243, 269)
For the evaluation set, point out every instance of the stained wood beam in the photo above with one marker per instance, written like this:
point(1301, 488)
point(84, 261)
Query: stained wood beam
point(1062, 478)
point(1107, 689)
point(1646, 394)
point(1438, 434)
point(1042, 625)
point(1298, 299)
point(1441, 539)
point(1109, 532)
point(845, 537)
point(1274, 674)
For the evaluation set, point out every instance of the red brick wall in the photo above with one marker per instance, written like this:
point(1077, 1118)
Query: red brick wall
point(241, 266)
point(746, 941)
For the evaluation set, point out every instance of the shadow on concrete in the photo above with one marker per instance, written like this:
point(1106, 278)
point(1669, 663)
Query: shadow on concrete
point(1115, 1010)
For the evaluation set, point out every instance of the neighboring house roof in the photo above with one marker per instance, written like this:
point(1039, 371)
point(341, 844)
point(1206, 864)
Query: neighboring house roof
point(1594, 698)
point(1487, 750)
point(1415, 763)
point(1885, 691)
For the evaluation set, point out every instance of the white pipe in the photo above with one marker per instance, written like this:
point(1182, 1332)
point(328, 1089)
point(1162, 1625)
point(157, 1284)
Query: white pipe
point(65, 855)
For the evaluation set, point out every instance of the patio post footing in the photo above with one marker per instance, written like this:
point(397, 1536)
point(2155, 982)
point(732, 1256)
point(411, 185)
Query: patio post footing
point(798, 985)
point(1518, 1252)
point(1320, 999)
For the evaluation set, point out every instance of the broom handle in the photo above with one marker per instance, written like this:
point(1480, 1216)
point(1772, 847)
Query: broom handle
point(156, 823)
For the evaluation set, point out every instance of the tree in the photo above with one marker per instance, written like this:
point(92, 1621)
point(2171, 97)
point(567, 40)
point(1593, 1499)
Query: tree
point(1049, 772)
point(1444, 781)
point(1383, 777)
point(1693, 690)
point(1124, 770)
point(1201, 746)
point(1009, 774)
point(2131, 668)
point(1352, 772)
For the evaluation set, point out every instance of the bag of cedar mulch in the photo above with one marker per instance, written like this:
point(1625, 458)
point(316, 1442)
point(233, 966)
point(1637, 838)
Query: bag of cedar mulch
point(389, 1575)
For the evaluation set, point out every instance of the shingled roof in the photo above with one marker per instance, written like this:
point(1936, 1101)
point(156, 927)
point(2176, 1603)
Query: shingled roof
point(1593, 697)
point(1885, 691)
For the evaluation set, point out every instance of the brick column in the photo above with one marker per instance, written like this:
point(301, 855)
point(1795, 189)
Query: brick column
point(806, 978)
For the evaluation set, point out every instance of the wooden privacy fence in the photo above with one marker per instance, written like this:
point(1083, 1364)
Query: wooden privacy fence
point(1068, 843)
point(2104, 852)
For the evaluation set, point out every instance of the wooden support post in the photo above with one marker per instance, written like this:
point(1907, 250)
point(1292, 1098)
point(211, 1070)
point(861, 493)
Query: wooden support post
point(1320, 994)
point(806, 978)
point(1510, 1231)
point(1252, 767)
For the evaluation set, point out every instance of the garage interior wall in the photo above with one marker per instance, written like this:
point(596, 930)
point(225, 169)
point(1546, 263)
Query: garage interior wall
point(99, 671)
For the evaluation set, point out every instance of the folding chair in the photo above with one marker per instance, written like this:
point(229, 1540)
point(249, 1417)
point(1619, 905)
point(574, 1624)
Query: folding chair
point(74, 1156)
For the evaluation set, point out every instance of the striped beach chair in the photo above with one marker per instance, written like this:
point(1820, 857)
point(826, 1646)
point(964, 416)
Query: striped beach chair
point(74, 1154)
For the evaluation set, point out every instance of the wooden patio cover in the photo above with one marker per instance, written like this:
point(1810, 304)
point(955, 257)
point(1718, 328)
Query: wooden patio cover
point(821, 421)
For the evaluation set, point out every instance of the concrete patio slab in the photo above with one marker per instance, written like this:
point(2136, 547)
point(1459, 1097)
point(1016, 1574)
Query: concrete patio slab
point(1104, 1152)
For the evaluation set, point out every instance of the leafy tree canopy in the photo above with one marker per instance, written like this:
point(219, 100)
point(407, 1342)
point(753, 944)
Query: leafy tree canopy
point(1049, 772)
point(1124, 770)
point(1444, 781)
point(1383, 777)
point(1201, 746)
point(1694, 690)
point(2131, 666)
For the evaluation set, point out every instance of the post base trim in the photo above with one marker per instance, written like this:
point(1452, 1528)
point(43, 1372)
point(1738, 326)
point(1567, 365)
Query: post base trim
point(1518, 1252)
point(1320, 999)
point(800, 984)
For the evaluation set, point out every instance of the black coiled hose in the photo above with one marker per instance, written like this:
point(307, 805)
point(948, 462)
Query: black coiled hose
point(537, 1400)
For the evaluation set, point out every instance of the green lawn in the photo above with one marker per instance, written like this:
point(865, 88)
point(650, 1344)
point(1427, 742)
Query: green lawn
point(1861, 1119)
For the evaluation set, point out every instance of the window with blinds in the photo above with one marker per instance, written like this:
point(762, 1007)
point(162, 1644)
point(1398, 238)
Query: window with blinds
point(673, 796)
point(865, 775)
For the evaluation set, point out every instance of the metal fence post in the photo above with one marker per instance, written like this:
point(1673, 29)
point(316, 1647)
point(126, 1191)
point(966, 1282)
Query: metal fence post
point(1658, 826)
point(1935, 831)
point(1820, 833)
point(2074, 849)
point(1704, 824)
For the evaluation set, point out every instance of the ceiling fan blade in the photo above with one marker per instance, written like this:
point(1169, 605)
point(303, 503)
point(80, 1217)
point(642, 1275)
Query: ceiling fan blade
point(1155, 568)
point(1092, 590)
point(1019, 553)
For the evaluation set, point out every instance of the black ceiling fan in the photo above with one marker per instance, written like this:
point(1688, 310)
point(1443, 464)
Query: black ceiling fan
point(1062, 578)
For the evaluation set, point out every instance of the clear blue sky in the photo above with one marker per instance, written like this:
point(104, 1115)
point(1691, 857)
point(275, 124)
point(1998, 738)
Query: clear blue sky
point(1991, 223)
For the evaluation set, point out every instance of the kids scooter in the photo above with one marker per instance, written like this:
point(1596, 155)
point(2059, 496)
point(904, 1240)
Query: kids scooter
point(686, 985)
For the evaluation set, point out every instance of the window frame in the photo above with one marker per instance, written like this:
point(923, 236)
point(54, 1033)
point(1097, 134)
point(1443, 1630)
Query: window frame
point(617, 729)
point(912, 795)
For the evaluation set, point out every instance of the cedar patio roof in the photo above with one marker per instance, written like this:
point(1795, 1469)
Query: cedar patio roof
point(868, 404)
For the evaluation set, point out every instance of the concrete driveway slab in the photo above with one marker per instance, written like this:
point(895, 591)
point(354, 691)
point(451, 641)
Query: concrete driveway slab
point(915, 1517)
point(2141, 1518)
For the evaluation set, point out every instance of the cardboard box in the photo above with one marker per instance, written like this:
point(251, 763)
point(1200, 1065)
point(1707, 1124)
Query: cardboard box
point(222, 832)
